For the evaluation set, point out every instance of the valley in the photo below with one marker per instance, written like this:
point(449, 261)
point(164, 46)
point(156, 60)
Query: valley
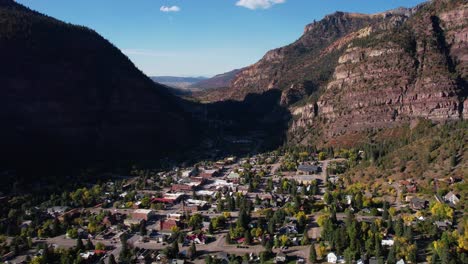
point(346, 146)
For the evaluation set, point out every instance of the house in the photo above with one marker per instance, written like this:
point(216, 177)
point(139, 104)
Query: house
point(167, 225)
point(182, 188)
point(190, 172)
point(331, 257)
point(306, 168)
point(387, 242)
point(401, 261)
point(142, 214)
point(451, 198)
point(57, 210)
point(233, 176)
point(209, 173)
point(280, 257)
point(418, 204)
point(443, 225)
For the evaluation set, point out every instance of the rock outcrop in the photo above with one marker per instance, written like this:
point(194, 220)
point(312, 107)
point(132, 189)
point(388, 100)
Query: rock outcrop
point(418, 70)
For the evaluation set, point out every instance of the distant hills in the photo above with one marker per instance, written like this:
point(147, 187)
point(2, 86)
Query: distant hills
point(68, 95)
point(197, 84)
point(184, 83)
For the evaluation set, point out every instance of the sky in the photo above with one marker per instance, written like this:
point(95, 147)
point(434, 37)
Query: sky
point(201, 37)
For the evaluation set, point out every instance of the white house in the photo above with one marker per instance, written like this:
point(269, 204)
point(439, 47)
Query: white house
point(331, 257)
point(401, 261)
point(387, 242)
point(451, 198)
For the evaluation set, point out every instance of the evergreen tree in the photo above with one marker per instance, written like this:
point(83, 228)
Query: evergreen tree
point(312, 254)
point(193, 251)
point(143, 230)
point(305, 239)
point(89, 244)
point(228, 238)
point(79, 245)
point(112, 259)
point(391, 258)
point(210, 228)
point(175, 248)
point(247, 237)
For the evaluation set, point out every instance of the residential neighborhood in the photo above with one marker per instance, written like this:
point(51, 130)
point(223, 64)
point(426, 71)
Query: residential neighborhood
point(268, 208)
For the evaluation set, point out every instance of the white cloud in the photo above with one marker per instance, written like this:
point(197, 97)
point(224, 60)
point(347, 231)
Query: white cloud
point(256, 4)
point(167, 9)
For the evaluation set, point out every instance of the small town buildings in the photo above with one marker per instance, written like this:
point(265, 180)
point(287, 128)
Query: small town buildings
point(167, 225)
point(182, 188)
point(280, 257)
point(309, 169)
point(388, 242)
point(418, 204)
point(209, 173)
point(142, 214)
point(331, 257)
point(451, 198)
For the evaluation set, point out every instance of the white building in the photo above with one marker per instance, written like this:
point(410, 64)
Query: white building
point(331, 257)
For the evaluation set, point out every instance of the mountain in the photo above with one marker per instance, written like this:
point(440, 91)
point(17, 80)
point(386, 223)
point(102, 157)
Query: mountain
point(353, 73)
point(184, 83)
point(217, 81)
point(68, 95)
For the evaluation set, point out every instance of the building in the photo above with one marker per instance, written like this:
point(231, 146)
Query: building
point(182, 188)
point(142, 214)
point(280, 257)
point(451, 198)
point(306, 168)
point(418, 204)
point(209, 173)
point(331, 257)
point(167, 225)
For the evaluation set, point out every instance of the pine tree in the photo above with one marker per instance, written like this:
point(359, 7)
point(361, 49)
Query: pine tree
point(305, 239)
point(175, 248)
point(112, 259)
point(228, 238)
point(391, 258)
point(79, 244)
point(312, 254)
point(193, 251)
point(89, 244)
point(210, 228)
point(247, 237)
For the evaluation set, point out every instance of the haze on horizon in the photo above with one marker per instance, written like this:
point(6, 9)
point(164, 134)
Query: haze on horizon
point(203, 37)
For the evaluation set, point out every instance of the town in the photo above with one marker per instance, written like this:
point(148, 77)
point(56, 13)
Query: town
point(286, 206)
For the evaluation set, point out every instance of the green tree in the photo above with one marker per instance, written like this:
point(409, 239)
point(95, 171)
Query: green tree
point(193, 251)
point(79, 245)
point(312, 254)
point(175, 248)
point(112, 259)
point(391, 258)
point(89, 244)
point(196, 221)
point(305, 239)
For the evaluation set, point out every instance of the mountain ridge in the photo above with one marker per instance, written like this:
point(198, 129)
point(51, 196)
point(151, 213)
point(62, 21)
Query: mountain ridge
point(87, 101)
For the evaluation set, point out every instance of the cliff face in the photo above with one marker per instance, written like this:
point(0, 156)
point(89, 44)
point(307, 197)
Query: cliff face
point(68, 94)
point(416, 70)
point(299, 68)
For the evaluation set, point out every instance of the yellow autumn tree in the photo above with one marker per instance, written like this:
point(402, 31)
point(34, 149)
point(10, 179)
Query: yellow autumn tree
point(441, 211)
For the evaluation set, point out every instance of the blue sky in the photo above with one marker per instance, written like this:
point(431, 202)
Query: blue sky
point(200, 37)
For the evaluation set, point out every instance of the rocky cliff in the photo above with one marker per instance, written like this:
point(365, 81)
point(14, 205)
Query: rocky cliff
point(67, 94)
point(415, 70)
point(355, 72)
